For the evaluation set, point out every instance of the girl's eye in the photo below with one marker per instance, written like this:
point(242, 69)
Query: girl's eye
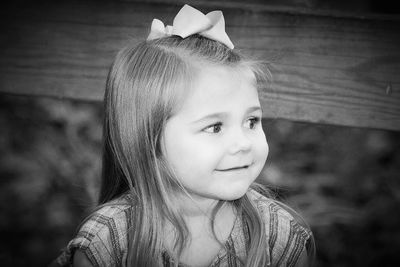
point(252, 122)
point(215, 128)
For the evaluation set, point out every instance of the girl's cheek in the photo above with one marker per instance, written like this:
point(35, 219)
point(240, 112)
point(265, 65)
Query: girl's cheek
point(266, 152)
point(262, 145)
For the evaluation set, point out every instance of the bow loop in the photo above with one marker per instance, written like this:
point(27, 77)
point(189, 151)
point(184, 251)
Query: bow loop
point(157, 30)
point(217, 31)
point(190, 21)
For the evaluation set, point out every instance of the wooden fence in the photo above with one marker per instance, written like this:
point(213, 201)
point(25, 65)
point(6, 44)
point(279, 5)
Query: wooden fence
point(328, 67)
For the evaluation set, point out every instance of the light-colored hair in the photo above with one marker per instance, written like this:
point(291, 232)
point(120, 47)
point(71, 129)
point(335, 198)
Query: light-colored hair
point(146, 84)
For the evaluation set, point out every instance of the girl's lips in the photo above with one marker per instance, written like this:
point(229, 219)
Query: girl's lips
point(234, 168)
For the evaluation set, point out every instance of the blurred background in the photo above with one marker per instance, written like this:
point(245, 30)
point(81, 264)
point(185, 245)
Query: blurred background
point(343, 180)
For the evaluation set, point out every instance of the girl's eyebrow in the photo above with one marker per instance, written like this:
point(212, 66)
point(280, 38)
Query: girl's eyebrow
point(222, 115)
point(218, 115)
point(254, 108)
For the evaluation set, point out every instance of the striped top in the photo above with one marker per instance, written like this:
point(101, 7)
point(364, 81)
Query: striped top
point(103, 237)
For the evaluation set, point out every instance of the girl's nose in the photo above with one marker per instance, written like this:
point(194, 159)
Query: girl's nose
point(240, 142)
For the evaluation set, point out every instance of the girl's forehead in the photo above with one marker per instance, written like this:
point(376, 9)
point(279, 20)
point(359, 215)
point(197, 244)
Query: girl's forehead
point(220, 88)
point(216, 80)
point(240, 70)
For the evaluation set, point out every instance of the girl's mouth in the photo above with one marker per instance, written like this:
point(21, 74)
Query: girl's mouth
point(234, 168)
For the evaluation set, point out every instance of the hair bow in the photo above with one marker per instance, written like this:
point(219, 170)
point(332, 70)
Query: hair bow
point(190, 21)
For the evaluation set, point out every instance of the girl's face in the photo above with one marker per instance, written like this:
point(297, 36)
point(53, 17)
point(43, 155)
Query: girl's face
point(215, 143)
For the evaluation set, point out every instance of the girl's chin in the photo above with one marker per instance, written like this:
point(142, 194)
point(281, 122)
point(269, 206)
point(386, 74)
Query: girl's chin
point(234, 194)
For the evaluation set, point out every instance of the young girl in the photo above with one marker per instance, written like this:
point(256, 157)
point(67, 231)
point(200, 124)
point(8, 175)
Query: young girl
point(183, 145)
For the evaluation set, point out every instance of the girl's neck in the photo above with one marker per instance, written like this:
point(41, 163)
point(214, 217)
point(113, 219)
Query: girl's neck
point(194, 207)
point(202, 238)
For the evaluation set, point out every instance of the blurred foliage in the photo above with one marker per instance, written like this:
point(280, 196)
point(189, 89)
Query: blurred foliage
point(344, 181)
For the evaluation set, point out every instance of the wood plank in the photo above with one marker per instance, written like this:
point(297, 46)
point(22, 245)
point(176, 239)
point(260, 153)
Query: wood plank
point(364, 9)
point(341, 71)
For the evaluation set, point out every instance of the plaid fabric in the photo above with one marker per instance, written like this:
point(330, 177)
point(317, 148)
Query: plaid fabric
point(103, 237)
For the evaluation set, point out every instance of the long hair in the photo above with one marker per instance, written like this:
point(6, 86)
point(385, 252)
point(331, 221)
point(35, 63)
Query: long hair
point(146, 84)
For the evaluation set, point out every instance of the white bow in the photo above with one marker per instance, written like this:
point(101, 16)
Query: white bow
point(190, 21)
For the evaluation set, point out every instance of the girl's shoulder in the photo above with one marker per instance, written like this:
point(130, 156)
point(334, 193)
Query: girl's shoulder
point(102, 236)
point(288, 234)
point(269, 206)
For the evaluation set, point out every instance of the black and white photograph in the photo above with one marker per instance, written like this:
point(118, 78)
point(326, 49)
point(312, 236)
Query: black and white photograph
point(227, 133)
